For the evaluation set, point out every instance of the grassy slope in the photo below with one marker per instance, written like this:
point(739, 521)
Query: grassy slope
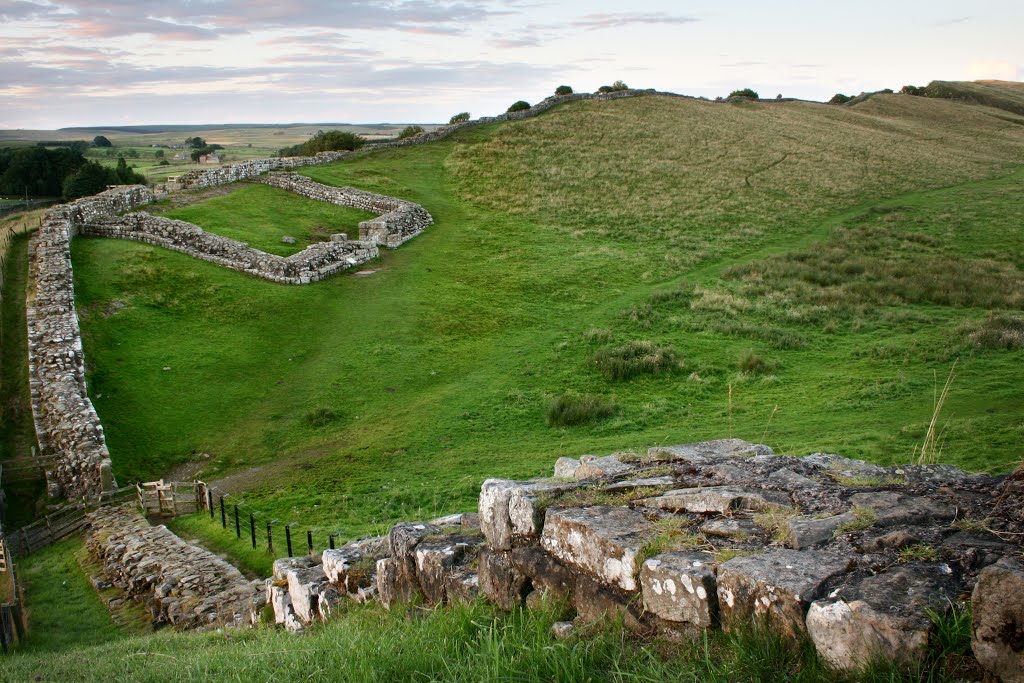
point(438, 367)
point(261, 215)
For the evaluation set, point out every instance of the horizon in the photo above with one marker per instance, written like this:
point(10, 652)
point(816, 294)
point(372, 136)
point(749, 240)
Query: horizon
point(89, 63)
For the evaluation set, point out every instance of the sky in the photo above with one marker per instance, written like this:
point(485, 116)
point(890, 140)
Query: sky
point(70, 63)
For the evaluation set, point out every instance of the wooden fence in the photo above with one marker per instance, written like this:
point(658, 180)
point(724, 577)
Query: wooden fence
point(62, 523)
point(170, 499)
point(12, 617)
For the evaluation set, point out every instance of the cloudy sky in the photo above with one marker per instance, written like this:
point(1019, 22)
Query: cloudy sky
point(95, 62)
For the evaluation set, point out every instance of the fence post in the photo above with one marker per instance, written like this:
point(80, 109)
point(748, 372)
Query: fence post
point(309, 542)
point(252, 529)
point(330, 540)
point(223, 515)
point(270, 540)
point(209, 502)
point(288, 538)
point(238, 529)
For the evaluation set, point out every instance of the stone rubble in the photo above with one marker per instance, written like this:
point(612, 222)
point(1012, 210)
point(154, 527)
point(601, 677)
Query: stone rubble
point(183, 585)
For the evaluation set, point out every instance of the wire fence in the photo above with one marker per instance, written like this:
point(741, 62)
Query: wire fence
point(261, 530)
point(9, 230)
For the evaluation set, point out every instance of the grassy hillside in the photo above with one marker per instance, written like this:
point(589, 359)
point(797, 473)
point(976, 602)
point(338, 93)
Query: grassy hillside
point(996, 94)
point(824, 266)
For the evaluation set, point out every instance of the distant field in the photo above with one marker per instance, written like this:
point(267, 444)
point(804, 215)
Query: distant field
point(718, 232)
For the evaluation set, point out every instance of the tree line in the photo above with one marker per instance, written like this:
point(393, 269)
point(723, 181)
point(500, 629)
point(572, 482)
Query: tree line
point(61, 172)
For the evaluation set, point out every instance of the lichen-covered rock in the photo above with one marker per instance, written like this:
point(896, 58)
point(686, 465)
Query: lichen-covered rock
point(493, 508)
point(402, 541)
point(730, 527)
point(778, 585)
point(593, 467)
point(997, 632)
point(393, 586)
point(597, 602)
point(565, 468)
point(808, 531)
point(884, 616)
point(436, 559)
point(894, 507)
point(602, 541)
point(512, 511)
point(462, 586)
point(681, 587)
point(708, 452)
point(716, 499)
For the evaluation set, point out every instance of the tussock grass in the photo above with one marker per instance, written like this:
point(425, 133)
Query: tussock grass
point(916, 553)
point(636, 358)
point(998, 331)
point(863, 519)
point(569, 410)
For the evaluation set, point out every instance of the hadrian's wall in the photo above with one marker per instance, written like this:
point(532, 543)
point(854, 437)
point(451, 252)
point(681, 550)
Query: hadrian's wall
point(246, 170)
point(66, 422)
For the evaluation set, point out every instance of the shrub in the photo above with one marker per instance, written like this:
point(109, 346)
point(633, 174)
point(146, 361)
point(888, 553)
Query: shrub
point(614, 87)
point(913, 90)
point(635, 358)
point(461, 117)
point(321, 417)
point(410, 131)
point(750, 363)
point(521, 105)
point(840, 98)
point(999, 331)
point(569, 409)
point(101, 141)
point(563, 90)
point(746, 92)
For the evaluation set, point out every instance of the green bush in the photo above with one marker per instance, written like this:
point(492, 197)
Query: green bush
point(563, 90)
point(570, 409)
point(840, 98)
point(410, 131)
point(521, 105)
point(635, 358)
point(614, 87)
point(746, 92)
point(329, 141)
point(915, 90)
point(461, 117)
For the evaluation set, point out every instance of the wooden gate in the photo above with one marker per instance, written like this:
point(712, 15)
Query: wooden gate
point(168, 499)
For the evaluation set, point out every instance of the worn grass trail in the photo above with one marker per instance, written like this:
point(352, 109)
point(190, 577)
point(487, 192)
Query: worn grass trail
point(366, 399)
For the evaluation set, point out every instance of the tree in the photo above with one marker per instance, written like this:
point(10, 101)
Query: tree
point(159, 154)
point(840, 98)
point(746, 92)
point(330, 141)
point(91, 178)
point(196, 142)
point(410, 131)
point(913, 90)
point(37, 171)
point(101, 141)
point(521, 105)
point(563, 90)
point(459, 118)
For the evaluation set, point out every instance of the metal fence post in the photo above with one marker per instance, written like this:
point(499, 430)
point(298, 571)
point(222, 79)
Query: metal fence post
point(238, 529)
point(223, 515)
point(288, 538)
point(252, 529)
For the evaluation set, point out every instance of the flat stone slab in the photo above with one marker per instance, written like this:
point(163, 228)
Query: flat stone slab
point(884, 615)
point(602, 541)
point(892, 508)
point(806, 532)
point(730, 527)
point(593, 467)
point(681, 587)
point(779, 585)
point(630, 484)
point(708, 452)
point(716, 499)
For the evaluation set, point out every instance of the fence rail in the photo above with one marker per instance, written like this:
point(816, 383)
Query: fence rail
point(62, 523)
point(12, 617)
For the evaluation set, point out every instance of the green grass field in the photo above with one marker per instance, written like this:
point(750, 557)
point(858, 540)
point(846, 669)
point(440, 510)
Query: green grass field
point(714, 231)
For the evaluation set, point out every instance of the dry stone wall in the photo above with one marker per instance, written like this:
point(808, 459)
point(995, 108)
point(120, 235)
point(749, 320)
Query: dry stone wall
point(398, 221)
point(183, 585)
point(718, 534)
point(66, 422)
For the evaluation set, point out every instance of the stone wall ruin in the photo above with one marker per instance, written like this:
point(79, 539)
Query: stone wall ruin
point(66, 422)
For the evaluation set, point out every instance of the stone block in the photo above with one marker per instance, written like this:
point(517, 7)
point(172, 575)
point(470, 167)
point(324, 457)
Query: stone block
point(546, 573)
point(708, 452)
point(884, 616)
point(593, 467)
point(681, 587)
point(565, 468)
point(892, 508)
point(997, 631)
point(602, 541)
point(596, 602)
point(436, 559)
point(462, 586)
point(402, 541)
point(500, 581)
point(806, 532)
point(778, 586)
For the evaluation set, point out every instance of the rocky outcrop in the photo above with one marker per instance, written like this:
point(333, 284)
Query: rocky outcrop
point(183, 585)
point(855, 556)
